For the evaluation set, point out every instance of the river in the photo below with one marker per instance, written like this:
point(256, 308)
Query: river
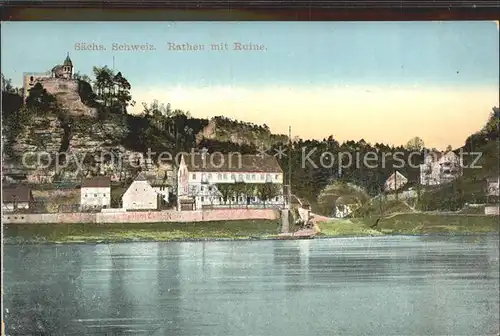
point(347, 286)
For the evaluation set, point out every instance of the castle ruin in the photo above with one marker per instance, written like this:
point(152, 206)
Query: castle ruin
point(59, 82)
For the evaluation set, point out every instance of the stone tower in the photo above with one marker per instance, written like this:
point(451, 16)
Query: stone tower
point(59, 78)
point(67, 68)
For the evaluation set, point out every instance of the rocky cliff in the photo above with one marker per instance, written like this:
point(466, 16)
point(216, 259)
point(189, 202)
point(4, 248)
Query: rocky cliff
point(67, 148)
point(228, 130)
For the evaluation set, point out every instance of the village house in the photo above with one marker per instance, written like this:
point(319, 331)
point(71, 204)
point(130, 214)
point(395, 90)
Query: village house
point(140, 195)
point(201, 175)
point(95, 193)
point(16, 197)
point(395, 182)
point(440, 168)
point(492, 193)
point(303, 207)
point(493, 186)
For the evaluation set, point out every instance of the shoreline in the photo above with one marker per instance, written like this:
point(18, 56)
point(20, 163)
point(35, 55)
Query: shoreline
point(9, 241)
point(248, 230)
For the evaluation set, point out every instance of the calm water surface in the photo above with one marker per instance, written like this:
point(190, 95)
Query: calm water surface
point(350, 286)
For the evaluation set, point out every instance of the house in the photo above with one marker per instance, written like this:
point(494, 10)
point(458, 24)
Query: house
point(440, 168)
point(140, 195)
point(395, 181)
point(492, 186)
point(229, 180)
point(342, 210)
point(161, 187)
point(16, 197)
point(95, 193)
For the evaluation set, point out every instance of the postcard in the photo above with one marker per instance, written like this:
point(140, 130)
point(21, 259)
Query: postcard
point(250, 178)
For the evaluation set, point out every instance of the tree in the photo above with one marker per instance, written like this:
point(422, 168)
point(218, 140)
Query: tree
point(226, 191)
point(7, 85)
point(449, 148)
point(40, 99)
point(267, 191)
point(415, 144)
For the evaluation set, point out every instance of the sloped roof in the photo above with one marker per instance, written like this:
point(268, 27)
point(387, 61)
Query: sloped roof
point(97, 182)
point(17, 193)
point(140, 177)
point(197, 162)
point(493, 178)
point(399, 177)
point(67, 61)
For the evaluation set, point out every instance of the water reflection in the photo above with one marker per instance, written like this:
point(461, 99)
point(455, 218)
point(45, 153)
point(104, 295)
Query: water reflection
point(369, 286)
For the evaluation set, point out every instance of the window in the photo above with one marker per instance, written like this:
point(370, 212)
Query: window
point(202, 198)
point(209, 188)
point(194, 176)
point(247, 176)
point(241, 199)
point(209, 176)
point(219, 176)
point(276, 199)
point(31, 78)
point(240, 176)
point(95, 195)
point(253, 176)
point(233, 199)
point(277, 176)
point(85, 195)
point(202, 188)
point(233, 176)
point(225, 176)
point(220, 199)
point(262, 176)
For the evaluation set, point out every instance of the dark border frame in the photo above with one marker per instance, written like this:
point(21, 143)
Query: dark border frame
point(236, 10)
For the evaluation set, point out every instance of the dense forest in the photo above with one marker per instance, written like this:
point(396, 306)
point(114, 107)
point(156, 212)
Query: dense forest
point(315, 164)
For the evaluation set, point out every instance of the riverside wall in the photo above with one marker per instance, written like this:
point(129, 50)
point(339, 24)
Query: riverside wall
point(141, 216)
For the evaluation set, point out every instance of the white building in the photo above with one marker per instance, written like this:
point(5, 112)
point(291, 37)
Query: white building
point(493, 186)
point(161, 187)
point(140, 195)
point(395, 181)
point(439, 168)
point(96, 193)
point(17, 197)
point(243, 180)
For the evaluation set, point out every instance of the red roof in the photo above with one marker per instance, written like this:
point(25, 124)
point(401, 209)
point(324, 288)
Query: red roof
point(97, 182)
point(17, 193)
point(197, 162)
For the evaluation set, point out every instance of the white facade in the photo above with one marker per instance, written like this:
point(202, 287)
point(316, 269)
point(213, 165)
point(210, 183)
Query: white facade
point(439, 169)
point(202, 186)
point(95, 197)
point(140, 196)
point(342, 210)
point(395, 182)
point(493, 187)
point(10, 206)
point(163, 191)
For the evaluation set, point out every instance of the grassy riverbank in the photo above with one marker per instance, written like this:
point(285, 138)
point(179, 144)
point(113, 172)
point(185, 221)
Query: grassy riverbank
point(412, 223)
point(405, 223)
point(67, 233)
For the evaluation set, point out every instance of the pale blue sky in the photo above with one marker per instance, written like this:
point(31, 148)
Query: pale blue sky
point(446, 73)
point(297, 52)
